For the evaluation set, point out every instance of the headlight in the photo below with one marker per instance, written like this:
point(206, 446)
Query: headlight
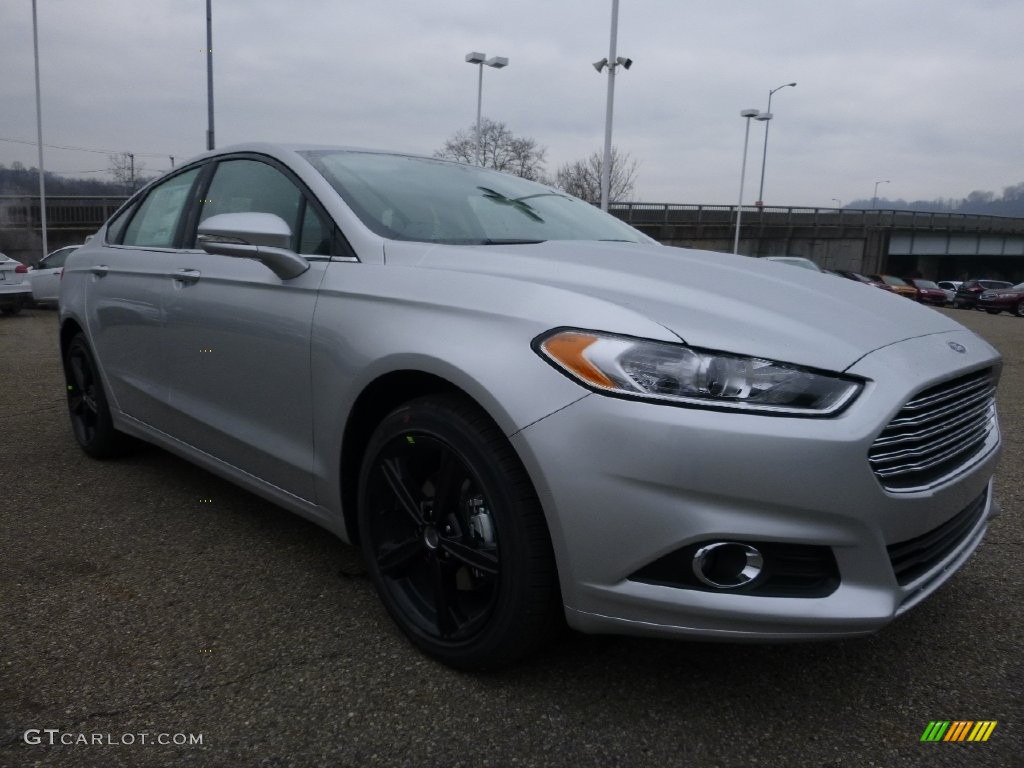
point(677, 374)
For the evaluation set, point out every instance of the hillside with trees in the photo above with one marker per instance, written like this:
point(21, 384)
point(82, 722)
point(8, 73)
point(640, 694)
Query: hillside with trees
point(1010, 203)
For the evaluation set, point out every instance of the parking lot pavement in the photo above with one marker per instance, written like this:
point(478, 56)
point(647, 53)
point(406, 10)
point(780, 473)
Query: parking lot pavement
point(146, 600)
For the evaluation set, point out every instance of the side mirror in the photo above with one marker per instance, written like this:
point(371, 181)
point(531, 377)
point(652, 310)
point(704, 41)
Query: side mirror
point(261, 236)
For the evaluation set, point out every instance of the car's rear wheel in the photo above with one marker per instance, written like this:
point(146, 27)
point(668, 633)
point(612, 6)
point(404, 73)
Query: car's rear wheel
point(454, 536)
point(1019, 309)
point(14, 308)
point(87, 403)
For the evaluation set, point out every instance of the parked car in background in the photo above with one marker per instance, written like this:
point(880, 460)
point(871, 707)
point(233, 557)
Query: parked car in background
point(970, 291)
point(1003, 300)
point(526, 412)
point(928, 292)
point(897, 285)
point(857, 277)
point(45, 277)
point(949, 286)
point(796, 261)
point(15, 291)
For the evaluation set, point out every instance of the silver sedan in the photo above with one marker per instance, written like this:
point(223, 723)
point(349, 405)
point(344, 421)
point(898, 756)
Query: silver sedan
point(526, 412)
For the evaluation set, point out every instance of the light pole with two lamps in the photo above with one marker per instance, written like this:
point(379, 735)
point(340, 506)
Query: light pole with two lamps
point(766, 117)
point(480, 59)
point(746, 113)
point(612, 63)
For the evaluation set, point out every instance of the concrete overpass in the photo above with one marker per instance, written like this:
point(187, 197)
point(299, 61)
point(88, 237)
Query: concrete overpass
point(946, 246)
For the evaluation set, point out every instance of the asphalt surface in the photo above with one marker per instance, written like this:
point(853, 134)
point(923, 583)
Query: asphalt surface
point(146, 596)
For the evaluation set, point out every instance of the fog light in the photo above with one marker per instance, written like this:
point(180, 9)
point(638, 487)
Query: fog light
point(727, 564)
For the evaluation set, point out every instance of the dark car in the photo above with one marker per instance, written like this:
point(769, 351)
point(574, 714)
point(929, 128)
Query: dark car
point(970, 291)
point(928, 292)
point(1003, 300)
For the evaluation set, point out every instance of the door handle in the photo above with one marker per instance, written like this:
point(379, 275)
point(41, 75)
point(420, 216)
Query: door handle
point(188, 276)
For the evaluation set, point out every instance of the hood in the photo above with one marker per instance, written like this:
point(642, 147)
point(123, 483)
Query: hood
point(712, 300)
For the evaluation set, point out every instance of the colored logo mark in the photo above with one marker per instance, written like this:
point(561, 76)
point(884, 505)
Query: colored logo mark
point(958, 730)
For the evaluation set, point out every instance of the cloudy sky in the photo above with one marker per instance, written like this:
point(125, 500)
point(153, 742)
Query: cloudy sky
point(925, 93)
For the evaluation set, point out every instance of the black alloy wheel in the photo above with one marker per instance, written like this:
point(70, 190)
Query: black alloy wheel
point(87, 403)
point(454, 537)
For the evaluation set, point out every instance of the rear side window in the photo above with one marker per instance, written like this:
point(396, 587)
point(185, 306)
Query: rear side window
point(155, 224)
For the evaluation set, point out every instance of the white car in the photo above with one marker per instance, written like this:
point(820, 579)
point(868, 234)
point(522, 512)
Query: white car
point(45, 278)
point(15, 291)
point(950, 286)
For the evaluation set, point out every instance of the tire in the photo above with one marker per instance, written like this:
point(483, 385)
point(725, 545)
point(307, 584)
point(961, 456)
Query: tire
point(87, 403)
point(472, 584)
point(13, 309)
point(993, 311)
point(1019, 309)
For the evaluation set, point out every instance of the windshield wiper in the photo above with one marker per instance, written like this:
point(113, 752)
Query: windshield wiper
point(518, 204)
point(507, 241)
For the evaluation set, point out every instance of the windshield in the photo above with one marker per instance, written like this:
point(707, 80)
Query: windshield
point(436, 201)
point(926, 284)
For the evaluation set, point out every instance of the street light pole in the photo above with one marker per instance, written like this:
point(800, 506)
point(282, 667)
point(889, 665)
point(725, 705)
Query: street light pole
point(874, 197)
point(498, 62)
point(39, 132)
point(764, 154)
point(209, 75)
point(746, 113)
point(613, 62)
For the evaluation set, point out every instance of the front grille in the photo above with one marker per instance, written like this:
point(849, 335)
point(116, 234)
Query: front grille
point(911, 559)
point(936, 433)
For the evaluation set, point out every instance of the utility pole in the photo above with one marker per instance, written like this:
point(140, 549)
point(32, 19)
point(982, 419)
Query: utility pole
point(39, 132)
point(209, 75)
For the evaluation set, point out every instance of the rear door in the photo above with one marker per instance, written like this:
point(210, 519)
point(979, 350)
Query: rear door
point(129, 276)
point(45, 278)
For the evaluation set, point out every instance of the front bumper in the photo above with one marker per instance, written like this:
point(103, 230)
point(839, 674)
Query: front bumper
point(626, 483)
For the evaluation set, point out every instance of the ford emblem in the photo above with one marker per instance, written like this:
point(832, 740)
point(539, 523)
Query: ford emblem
point(957, 347)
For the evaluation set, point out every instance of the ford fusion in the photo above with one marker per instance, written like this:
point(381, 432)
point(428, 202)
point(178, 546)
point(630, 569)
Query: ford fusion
point(526, 413)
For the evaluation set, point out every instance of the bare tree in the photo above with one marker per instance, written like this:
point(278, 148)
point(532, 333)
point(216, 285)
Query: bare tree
point(126, 170)
point(582, 178)
point(500, 149)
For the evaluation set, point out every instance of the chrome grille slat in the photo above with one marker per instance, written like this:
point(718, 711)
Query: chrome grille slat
point(936, 433)
point(926, 401)
point(980, 396)
point(969, 416)
point(934, 459)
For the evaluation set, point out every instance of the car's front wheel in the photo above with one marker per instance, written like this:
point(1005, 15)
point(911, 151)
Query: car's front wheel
point(993, 311)
point(454, 536)
point(87, 403)
point(1019, 309)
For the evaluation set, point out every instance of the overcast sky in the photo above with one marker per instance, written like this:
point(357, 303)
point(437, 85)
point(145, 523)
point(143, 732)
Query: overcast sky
point(925, 93)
